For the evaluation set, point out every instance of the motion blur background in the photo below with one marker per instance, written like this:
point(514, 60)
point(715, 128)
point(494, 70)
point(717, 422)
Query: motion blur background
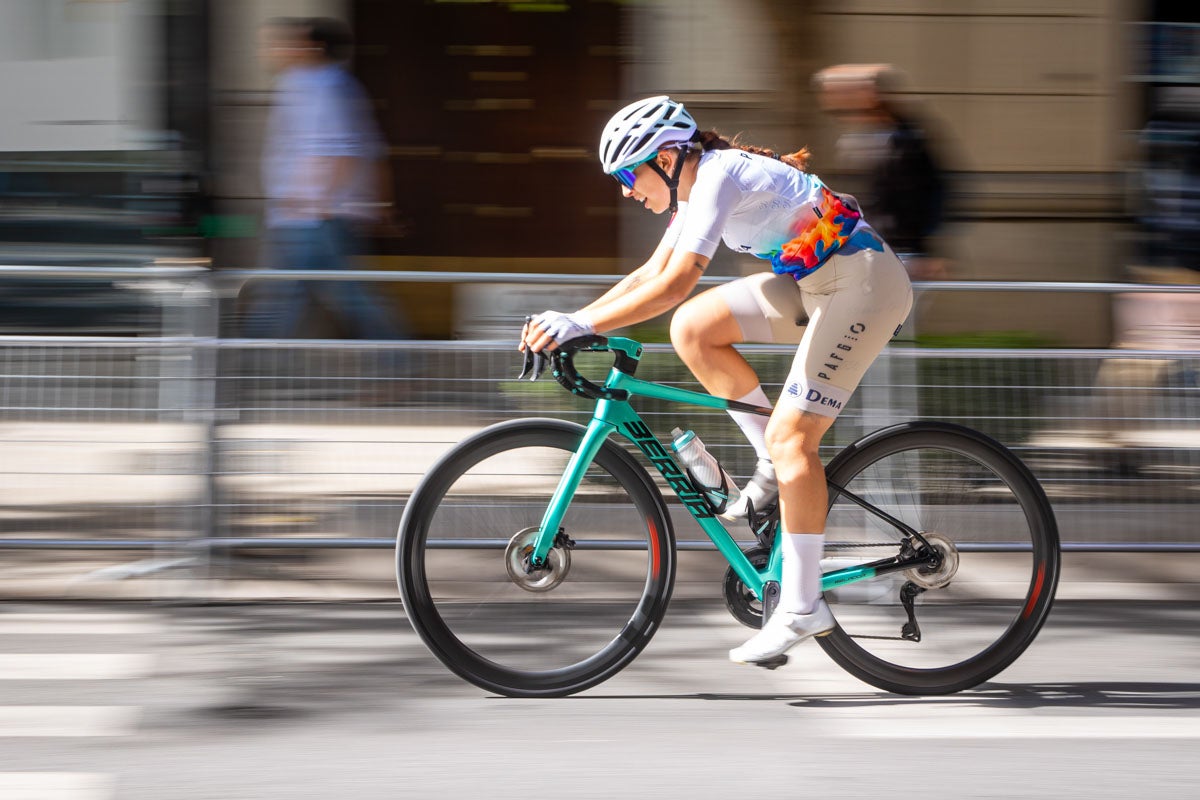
point(137, 431)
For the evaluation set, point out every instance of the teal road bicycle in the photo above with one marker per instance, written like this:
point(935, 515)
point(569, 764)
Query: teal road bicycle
point(537, 558)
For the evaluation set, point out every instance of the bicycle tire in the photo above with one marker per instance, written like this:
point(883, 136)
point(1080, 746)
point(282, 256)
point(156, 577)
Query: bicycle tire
point(959, 478)
point(618, 499)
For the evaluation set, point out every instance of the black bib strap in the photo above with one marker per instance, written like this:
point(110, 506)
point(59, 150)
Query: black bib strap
point(672, 180)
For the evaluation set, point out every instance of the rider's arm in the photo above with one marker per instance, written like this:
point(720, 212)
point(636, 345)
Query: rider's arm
point(657, 293)
point(654, 266)
point(643, 300)
point(543, 331)
point(661, 283)
point(685, 251)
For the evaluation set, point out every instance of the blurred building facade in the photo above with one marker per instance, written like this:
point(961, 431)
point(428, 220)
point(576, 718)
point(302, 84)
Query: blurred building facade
point(490, 110)
point(102, 147)
point(1057, 116)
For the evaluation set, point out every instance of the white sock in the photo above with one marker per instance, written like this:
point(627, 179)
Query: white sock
point(754, 425)
point(800, 587)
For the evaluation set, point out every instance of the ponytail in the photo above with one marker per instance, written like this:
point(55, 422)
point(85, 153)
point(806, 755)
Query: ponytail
point(711, 140)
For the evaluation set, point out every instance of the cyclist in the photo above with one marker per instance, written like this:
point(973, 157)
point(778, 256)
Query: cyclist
point(835, 288)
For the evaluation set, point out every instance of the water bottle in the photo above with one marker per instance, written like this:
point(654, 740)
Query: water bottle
point(705, 471)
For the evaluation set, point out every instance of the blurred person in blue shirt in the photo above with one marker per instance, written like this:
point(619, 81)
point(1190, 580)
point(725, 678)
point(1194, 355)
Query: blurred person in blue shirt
point(322, 171)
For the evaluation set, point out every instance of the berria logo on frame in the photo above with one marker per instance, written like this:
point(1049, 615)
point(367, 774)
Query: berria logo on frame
point(671, 472)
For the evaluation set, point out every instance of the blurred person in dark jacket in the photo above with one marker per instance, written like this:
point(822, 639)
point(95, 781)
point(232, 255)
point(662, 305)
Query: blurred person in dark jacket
point(1167, 186)
point(321, 171)
point(903, 187)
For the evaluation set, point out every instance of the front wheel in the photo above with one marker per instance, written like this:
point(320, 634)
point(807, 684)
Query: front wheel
point(471, 594)
point(938, 630)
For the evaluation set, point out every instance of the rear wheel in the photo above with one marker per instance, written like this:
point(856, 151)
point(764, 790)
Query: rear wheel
point(474, 599)
point(936, 630)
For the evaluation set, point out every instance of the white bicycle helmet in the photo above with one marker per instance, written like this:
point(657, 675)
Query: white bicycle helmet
point(641, 129)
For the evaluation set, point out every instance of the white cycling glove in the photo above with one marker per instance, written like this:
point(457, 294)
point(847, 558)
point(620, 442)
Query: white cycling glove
point(562, 327)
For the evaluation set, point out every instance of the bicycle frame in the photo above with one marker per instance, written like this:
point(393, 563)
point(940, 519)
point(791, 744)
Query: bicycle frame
point(614, 414)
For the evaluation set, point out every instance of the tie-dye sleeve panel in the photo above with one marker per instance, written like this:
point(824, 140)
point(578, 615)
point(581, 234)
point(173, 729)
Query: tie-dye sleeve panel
point(820, 229)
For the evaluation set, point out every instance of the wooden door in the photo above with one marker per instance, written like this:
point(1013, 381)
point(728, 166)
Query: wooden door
point(492, 113)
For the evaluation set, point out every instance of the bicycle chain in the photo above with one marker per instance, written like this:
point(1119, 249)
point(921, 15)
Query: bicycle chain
point(849, 545)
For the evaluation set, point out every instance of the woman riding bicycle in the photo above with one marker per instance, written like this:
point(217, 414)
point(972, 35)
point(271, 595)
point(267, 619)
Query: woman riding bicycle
point(835, 288)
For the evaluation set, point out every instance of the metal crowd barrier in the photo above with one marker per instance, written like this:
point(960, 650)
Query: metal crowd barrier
point(189, 444)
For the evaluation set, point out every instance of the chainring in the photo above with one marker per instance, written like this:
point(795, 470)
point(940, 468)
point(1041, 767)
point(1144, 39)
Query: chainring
point(741, 602)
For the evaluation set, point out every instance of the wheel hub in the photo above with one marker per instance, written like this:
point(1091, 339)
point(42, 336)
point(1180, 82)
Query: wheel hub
point(535, 579)
point(936, 577)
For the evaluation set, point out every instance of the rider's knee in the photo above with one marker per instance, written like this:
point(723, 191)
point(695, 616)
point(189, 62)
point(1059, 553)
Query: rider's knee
point(793, 448)
point(687, 328)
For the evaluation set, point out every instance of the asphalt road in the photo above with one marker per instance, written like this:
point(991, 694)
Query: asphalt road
point(330, 701)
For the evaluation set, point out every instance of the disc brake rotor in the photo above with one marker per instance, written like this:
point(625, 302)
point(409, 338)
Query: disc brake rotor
point(929, 577)
point(543, 578)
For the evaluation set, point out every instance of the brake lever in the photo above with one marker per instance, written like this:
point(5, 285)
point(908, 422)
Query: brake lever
point(526, 363)
point(534, 364)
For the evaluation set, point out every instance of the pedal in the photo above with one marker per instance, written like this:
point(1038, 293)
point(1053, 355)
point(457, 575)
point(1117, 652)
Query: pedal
point(763, 524)
point(772, 663)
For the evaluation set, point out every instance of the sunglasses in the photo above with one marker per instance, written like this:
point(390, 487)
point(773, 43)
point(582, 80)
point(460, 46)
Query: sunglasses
point(626, 176)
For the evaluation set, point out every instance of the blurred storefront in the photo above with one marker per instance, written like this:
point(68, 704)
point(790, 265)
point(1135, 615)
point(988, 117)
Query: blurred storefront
point(102, 154)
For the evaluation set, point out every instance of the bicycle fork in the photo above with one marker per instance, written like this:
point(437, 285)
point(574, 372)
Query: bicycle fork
point(597, 433)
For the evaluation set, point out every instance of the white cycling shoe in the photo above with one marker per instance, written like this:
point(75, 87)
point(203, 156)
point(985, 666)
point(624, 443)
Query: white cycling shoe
point(783, 631)
point(761, 491)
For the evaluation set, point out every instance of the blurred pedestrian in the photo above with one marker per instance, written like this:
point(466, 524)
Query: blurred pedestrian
point(1166, 183)
point(904, 187)
point(322, 174)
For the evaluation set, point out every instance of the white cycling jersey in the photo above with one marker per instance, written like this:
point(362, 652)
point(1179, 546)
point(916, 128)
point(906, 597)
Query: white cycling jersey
point(764, 207)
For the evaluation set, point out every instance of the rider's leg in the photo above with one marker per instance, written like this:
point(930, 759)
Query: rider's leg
point(703, 332)
point(794, 437)
point(758, 308)
point(856, 303)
